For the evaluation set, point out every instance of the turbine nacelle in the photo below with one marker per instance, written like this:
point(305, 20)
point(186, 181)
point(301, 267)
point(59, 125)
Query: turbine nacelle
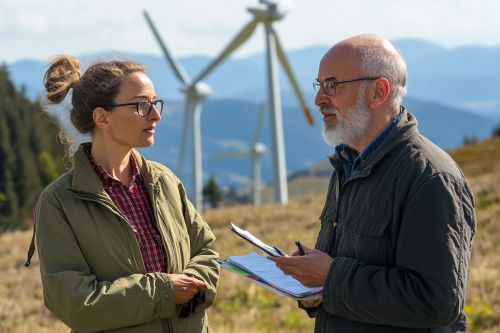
point(197, 91)
point(259, 149)
point(269, 14)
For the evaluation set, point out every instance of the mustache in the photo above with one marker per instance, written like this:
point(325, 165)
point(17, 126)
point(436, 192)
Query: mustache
point(327, 110)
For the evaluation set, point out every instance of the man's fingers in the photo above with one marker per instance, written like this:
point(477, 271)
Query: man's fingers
point(312, 303)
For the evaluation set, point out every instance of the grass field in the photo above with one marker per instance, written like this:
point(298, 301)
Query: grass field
point(244, 307)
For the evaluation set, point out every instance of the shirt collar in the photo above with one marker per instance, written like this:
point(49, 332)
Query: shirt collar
point(104, 176)
point(350, 158)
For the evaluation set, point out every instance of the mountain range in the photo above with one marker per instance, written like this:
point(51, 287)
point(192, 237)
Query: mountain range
point(465, 77)
point(452, 92)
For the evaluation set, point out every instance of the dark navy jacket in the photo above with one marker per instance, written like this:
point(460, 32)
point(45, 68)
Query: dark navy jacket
point(400, 230)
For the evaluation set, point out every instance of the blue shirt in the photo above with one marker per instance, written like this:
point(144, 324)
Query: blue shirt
point(353, 160)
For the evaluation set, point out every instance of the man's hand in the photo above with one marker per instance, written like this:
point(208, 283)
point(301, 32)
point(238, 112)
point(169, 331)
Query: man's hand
point(185, 287)
point(312, 303)
point(310, 269)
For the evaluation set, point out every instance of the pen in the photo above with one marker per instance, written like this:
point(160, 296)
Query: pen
point(281, 253)
point(301, 249)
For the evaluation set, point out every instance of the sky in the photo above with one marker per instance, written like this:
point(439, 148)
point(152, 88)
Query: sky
point(39, 29)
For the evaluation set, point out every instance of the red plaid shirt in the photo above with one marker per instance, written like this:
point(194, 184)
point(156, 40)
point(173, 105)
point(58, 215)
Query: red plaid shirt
point(133, 202)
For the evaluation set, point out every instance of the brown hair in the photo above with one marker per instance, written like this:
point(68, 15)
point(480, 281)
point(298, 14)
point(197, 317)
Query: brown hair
point(98, 86)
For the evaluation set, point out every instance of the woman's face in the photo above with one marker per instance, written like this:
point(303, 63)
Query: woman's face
point(127, 128)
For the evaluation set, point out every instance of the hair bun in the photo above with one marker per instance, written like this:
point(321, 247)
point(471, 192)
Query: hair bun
point(63, 72)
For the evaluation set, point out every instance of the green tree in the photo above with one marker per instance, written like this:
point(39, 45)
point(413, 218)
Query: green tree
point(211, 193)
point(30, 157)
point(496, 131)
point(469, 140)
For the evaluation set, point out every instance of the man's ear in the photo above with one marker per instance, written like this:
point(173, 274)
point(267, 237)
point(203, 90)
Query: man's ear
point(101, 117)
point(379, 92)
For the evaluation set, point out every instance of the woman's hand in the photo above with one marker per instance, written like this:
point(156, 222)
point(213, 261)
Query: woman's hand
point(185, 287)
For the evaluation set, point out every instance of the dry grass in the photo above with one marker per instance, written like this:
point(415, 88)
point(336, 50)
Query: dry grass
point(21, 300)
point(244, 307)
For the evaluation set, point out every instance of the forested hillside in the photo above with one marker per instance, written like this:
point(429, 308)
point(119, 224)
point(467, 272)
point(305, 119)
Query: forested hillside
point(30, 156)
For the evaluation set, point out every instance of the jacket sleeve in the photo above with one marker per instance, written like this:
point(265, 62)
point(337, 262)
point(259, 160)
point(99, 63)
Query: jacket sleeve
point(427, 287)
point(202, 264)
point(74, 294)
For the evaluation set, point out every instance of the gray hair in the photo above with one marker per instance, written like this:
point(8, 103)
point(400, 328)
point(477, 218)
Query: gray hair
point(387, 62)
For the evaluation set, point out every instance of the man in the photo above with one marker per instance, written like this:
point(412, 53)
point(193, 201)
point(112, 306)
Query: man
point(398, 224)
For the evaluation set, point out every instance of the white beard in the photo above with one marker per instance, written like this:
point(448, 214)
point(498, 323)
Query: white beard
point(351, 127)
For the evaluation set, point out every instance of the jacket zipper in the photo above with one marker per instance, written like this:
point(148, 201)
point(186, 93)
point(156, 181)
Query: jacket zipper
point(336, 218)
point(337, 212)
point(163, 233)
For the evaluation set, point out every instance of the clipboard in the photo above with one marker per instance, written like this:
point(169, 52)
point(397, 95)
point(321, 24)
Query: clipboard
point(246, 235)
point(262, 271)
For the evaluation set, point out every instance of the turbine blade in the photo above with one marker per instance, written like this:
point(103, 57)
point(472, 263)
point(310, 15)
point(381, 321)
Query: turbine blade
point(260, 121)
point(244, 34)
point(231, 155)
point(288, 70)
point(176, 66)
point(184, 136)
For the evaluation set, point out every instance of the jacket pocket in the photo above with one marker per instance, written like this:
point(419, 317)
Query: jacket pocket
point(366, 238)
point(366, 225)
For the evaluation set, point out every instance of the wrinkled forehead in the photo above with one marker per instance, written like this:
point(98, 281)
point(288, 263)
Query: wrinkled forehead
point(342, 62)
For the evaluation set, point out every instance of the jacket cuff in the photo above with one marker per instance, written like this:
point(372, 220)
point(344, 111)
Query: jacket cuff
point(333, 289)
point(311, 312)
point(168, 307)
point(210, 293)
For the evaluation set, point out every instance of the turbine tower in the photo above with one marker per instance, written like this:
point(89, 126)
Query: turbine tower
point(255, 152)
point(194, 92)
point(267, 15)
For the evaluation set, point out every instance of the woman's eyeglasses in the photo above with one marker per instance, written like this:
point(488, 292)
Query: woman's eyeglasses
point(143, 108)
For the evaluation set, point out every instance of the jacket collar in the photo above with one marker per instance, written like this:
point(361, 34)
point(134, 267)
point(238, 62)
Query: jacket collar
point(86, 180)
point(404, 129)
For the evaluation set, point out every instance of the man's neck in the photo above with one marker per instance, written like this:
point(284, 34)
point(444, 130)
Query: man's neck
point(377, 125)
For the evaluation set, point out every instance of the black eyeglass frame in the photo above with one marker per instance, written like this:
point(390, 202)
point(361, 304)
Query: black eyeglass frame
point(317, 84)
point(138, 108)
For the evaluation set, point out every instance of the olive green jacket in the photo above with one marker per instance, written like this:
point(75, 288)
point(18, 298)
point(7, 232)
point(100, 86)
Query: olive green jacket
point(93, 275)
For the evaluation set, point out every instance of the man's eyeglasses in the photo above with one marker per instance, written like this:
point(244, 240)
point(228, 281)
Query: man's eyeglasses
point(330, 85)
point(143, 108)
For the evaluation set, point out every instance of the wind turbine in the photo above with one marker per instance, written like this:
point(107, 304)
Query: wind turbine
point(267, 15)
point(195, 92)
point(255, 153)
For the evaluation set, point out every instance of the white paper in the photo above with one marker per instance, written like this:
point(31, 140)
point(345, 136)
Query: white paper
point(267, 270)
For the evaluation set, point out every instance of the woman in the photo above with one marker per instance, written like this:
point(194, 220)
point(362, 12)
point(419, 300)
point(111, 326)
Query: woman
point(121, 247)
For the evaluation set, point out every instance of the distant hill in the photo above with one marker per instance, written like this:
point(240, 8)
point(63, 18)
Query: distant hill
point(438, 78)
point(475, 159)
point(228, 125)
point(465, 77)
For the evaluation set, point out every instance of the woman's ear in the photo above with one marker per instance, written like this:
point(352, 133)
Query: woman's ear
point(379, 92)
point(101, 117)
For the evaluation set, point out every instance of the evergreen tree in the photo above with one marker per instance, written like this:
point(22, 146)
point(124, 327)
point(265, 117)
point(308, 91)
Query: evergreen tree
point(30, 157)
point(496, 131)
point(211, 193)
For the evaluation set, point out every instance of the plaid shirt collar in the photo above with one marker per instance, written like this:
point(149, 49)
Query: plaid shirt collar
point(106, 178)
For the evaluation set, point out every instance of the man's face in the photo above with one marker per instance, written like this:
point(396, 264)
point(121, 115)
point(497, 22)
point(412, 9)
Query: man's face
point(350, 125)
point(345, 114)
